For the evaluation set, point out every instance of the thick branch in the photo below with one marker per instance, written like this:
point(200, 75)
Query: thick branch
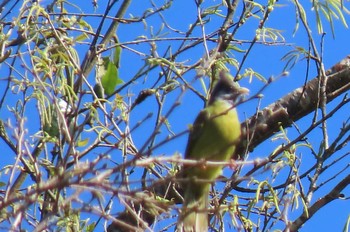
point(293, 106)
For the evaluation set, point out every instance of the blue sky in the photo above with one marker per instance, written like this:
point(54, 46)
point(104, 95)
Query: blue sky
point(265, 59)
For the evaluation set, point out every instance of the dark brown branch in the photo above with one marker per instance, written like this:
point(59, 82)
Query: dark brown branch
point(293, 106)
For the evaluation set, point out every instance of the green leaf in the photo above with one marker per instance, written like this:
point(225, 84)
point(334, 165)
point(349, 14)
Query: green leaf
point(51, 122)
point(81, 37)
point(109, 76)
point(82, 142)
point(237, 49)
point(90, 227)
point(117, 53)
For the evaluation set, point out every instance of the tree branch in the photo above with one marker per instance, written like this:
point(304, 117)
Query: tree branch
point(90, 58)
point(334, 194)
point(293, 107)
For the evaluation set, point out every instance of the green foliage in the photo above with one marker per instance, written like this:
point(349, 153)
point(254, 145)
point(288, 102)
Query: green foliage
point(329, 9)
point(292, 57)
point(50, 125)
point(109, 75)
point(117, 55)
point(250, 73)
point(269, 34)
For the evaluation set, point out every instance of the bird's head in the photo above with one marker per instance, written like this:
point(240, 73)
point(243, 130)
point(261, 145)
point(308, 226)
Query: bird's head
point(228, 90)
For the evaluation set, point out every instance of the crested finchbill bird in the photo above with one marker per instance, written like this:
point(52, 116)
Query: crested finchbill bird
point(213, 137)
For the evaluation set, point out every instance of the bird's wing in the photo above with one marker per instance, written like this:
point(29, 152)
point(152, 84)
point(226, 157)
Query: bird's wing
point(196, 131)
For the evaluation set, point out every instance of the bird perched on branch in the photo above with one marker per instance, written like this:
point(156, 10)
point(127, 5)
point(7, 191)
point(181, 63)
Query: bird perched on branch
point(213, 137)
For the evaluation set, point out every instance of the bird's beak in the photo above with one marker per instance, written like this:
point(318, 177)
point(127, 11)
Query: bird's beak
point(243, 91)
point(239, 95)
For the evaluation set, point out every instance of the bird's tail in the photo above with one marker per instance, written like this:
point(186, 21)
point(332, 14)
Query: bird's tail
point(194, 216)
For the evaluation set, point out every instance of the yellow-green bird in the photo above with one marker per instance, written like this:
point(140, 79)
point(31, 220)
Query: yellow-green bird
point(213, 137)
